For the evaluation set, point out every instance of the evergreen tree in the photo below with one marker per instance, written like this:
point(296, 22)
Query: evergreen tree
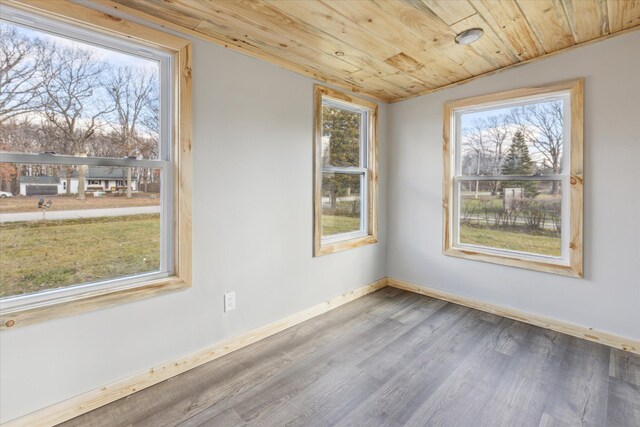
point(341, 128)
point(518, 162)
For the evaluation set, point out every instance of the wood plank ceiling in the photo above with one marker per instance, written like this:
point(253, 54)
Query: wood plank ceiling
point(391, 49)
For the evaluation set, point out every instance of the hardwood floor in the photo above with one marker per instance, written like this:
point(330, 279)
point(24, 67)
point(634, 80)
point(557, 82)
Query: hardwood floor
point(396, 358)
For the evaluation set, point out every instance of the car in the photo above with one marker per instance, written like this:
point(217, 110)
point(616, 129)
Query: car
point(4, 194)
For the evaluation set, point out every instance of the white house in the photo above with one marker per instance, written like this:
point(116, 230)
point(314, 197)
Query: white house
point(98, 178)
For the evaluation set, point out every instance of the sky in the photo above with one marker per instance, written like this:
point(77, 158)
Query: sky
point(113, 57)
point(110, 56)
point(468, 119)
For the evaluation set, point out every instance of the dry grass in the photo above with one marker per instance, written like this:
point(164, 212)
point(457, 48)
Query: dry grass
point(339, 224)
point(51, 254)
point(535, 242)
point(71, 202)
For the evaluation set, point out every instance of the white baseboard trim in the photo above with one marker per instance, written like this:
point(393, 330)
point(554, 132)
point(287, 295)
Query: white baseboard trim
point(86, 402)
point(586, 333)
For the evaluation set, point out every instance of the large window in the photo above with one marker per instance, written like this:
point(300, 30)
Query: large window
point(513, 178)
point(93, 163)
point(345, 169)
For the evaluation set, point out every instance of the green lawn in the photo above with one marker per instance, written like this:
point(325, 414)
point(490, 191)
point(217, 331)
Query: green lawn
point(544, 243)
point(52, 254)
point(339, 224)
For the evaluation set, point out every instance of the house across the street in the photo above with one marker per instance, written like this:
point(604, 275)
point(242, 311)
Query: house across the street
point(98, 178)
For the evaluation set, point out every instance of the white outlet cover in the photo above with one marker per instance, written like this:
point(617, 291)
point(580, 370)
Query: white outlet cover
point(229, 301)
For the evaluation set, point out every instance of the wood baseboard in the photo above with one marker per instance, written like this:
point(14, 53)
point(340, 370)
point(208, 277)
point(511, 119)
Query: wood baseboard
point(86, 402)
point(586, 333)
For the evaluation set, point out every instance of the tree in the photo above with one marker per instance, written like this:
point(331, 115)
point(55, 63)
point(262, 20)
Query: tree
point(22, 61)
point(497, 132)
point(71, 103)
point(518, 162)
point(476, 150)
point(132, 93)
point(542, 124)
point(341, 131)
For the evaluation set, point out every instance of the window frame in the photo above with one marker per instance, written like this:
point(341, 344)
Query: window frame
point(368, 233)
point(177, 160)
point(570, 263)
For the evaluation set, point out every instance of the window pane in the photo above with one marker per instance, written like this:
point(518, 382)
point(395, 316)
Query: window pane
point(73, 98)
point(522, 140)
point(341, 203)
point(340, 137)
point(523, 216)
point(52, 235)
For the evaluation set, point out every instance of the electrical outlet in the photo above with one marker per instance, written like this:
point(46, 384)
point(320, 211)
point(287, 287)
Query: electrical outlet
point(229, 301)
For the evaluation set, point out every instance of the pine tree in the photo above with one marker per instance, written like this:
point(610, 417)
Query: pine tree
point(342, 128)
point(518, 162)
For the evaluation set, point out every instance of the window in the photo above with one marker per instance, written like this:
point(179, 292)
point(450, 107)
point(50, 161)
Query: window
point(345, 172)
point(95, 152)
point(513, 178)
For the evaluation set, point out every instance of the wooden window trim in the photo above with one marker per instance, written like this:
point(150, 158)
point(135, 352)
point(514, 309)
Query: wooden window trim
point(77, 15)
point(574, 266)
point(372, 143)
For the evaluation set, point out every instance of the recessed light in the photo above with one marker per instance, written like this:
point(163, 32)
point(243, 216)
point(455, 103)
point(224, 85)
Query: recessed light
point(469, 36)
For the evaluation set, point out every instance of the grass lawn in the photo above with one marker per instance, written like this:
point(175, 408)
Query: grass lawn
point(52, 254)
point(544, 243)
point(339, 224)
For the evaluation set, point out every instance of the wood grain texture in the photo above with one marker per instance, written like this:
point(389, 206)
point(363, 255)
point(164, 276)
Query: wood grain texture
point(623, 14)
point(320, 248)
point(588, 18)
point(506, 19)
point(549, 23)
point(73, 407)
point(586, 333)
point(573, 266)
point(182, 165)
point(397, 358)
point(233, 43)
point(391, 50)
point(86, 17)
point(88, 301)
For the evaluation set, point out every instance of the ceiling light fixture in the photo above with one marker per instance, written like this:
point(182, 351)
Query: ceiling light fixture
point(469, 36)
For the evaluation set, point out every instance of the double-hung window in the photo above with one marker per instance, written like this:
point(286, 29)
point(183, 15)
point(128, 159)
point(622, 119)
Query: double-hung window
point(513, 178)
point(94, 162)
point(345, 172)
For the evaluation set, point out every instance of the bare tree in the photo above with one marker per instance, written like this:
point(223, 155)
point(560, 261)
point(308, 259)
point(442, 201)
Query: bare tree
point(22, 61)
point(476, 148)
point(498, 131)
point(131, 92)
point(541, 125)
point(71, 102)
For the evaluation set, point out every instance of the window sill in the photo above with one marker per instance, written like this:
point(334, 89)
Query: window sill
point(515, 261)
point(343, 245)
point(88, 301)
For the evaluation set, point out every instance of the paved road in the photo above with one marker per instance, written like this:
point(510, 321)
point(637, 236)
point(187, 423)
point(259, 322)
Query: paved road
point(82, 213)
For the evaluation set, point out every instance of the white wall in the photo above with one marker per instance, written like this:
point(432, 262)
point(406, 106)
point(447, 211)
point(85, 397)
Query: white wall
point(252, 224)
point(608, 297)
point(252, 233)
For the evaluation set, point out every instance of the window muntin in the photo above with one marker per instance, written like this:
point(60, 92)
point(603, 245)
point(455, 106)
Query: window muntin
point(344, 170)
point(527, 225)
point(345, 195)
point(145, 151)
point(514, 191)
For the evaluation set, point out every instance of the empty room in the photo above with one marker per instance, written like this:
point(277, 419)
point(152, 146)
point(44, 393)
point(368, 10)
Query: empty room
point(319, 213)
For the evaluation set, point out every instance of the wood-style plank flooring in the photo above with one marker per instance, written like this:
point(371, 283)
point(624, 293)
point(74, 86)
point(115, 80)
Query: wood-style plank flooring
point(396, 358)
